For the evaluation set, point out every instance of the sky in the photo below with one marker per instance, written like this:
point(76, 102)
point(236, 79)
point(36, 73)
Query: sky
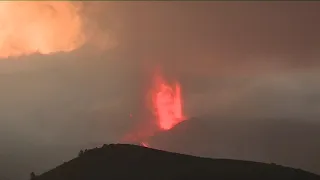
point(256, 60)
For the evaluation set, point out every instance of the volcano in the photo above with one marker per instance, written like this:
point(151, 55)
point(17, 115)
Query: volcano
point(267, 140)
point(164, 100)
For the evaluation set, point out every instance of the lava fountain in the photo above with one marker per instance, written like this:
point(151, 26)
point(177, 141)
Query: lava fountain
point(167, 107)
point(167, 103)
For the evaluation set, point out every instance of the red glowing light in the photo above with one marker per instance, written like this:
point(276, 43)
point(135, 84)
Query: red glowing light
point(167, 103)
point(144, 144)
point(167, 106)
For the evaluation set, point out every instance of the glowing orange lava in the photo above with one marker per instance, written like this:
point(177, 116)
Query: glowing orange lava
point(167, 103)
point(145, 144)
point(167, 106)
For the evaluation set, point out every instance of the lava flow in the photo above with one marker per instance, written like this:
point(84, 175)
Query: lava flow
point(167, 103)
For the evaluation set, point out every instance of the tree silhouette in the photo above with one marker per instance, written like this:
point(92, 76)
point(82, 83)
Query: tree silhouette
point(32, 175)
point(105, 146)
point(80, 153)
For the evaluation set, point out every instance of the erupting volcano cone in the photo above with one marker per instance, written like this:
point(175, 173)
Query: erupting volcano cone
point(167, 107)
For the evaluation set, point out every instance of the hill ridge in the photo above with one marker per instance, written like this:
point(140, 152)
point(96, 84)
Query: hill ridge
point(126, 161)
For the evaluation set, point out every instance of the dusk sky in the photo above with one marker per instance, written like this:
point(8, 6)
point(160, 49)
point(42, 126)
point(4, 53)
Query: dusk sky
point(254, 60)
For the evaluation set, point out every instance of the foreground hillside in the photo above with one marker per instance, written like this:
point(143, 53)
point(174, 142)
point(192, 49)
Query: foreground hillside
point(135, 162)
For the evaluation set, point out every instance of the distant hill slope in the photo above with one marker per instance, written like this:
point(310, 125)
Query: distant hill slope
point(289, 142)
point(121, 161)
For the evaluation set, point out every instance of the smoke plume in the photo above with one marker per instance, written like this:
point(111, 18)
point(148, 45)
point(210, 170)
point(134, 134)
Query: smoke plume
point(44, 27)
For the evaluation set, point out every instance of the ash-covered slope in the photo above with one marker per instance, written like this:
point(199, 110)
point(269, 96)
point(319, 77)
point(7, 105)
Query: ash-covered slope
point(291, 143)
point(135, 162)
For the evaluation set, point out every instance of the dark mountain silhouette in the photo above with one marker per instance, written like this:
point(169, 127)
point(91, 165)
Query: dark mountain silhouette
point(286, 142)
point(122, 161)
